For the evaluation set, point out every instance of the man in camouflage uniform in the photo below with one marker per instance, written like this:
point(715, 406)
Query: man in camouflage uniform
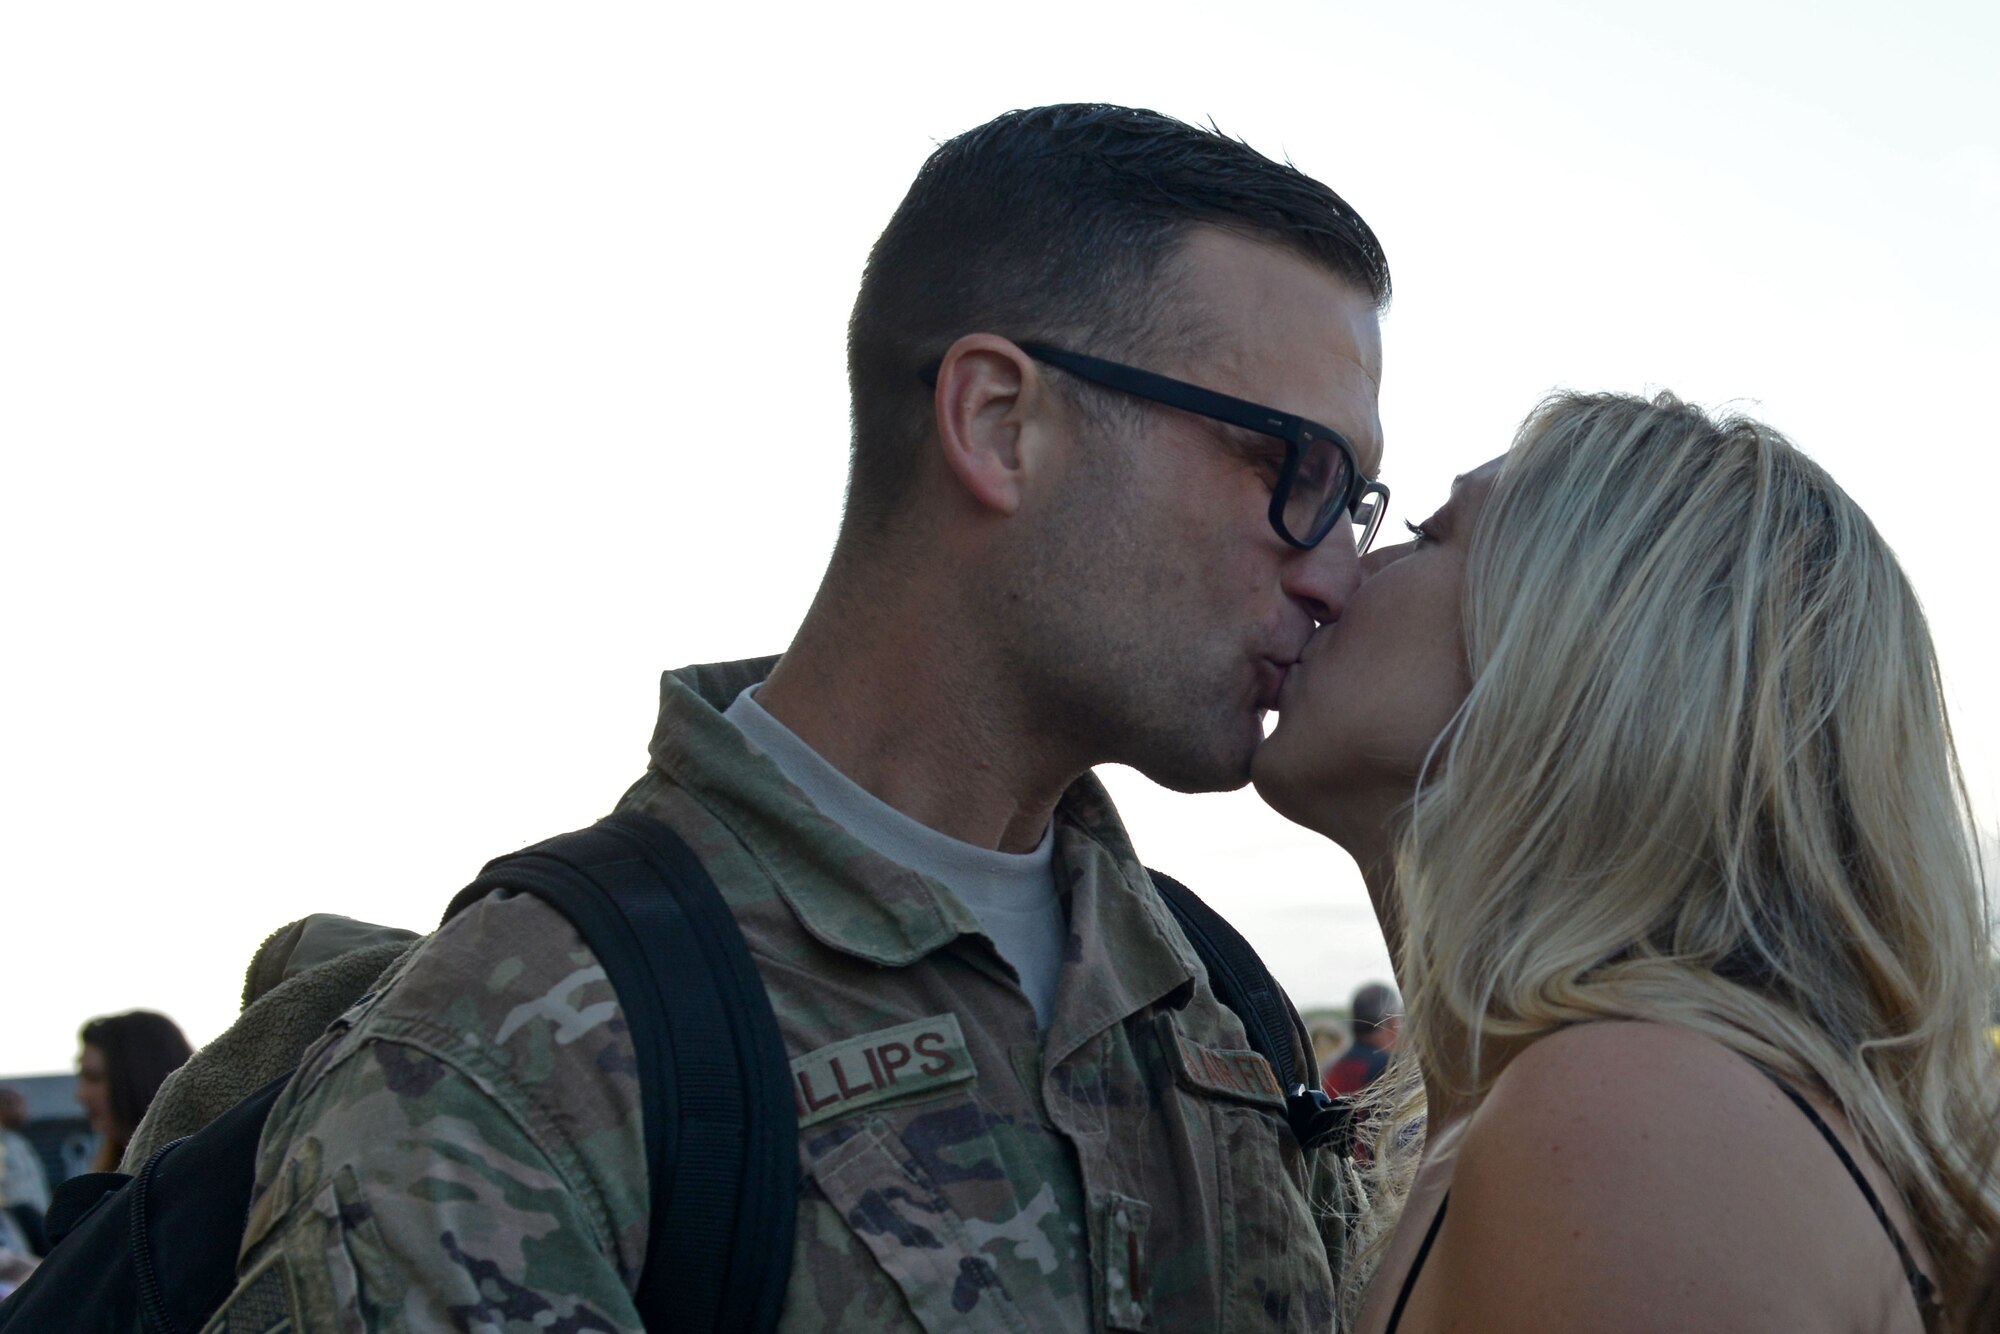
point(998, 1128)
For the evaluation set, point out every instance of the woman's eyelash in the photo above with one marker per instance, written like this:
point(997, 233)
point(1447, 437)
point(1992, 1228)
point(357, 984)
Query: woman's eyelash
point(1417, 531)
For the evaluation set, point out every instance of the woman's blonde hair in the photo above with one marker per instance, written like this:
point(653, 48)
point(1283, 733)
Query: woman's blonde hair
point(1703, 777)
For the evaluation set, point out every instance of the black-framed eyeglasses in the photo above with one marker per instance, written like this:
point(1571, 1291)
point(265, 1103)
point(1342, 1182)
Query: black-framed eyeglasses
point(1320, 480)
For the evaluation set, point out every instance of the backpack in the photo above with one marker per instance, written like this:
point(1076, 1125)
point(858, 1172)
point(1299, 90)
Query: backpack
point(156, 1252)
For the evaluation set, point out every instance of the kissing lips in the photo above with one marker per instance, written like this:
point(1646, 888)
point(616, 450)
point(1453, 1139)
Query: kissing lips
point(1271, 676)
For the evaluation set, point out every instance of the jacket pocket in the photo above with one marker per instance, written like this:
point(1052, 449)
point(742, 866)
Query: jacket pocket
point(890, 1202)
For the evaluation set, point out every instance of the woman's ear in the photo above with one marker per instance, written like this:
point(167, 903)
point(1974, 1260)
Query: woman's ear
point(987, 404)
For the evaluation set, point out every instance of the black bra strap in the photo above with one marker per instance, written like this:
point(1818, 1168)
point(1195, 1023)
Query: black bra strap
point(1920, 1283)
point(1416, 1266)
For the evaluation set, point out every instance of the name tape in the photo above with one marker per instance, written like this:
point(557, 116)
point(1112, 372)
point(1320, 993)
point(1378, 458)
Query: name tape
point(888, 1063)
point(1235, 1073)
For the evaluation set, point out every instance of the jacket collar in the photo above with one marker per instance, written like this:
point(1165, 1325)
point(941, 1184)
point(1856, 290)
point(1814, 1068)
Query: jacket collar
point(845, 894)
point(1123, 951)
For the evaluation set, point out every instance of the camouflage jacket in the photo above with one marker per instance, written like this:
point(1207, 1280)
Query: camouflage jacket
point(463, 1149)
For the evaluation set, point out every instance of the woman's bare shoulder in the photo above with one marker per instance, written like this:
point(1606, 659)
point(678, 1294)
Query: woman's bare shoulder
point(1605, 1074)
point(1640, 1176)
point(1610, 1114)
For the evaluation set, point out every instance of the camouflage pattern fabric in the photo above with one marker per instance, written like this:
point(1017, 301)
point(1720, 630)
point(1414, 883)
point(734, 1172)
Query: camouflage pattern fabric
point(463, 1149)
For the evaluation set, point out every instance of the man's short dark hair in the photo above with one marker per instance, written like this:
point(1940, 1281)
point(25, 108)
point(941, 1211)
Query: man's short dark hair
point(1373, 1005)
point(1054, 223)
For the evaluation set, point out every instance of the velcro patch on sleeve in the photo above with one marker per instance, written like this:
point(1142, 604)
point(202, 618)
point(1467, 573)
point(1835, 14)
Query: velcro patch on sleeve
point(875, 1067)
point(263, 1303)
point(1228, 1071)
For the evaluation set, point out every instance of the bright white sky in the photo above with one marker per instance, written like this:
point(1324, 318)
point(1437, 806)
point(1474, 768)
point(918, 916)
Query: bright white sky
point(389, 391)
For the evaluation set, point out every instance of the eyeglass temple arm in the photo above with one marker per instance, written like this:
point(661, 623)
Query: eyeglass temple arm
point(1160, 389)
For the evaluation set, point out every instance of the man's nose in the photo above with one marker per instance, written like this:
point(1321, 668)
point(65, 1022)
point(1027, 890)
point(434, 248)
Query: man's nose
point(1323, 579)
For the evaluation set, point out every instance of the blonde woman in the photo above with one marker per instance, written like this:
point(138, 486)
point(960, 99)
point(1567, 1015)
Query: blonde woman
point(1640, 747)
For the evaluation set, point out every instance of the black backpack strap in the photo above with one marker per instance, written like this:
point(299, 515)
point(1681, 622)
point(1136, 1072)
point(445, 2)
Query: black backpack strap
point(1242, 982)
point(714, 1082)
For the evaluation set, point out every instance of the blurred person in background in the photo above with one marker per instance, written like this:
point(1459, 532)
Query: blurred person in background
point(24, 1186)
point(17, 1259)
point(1375, 1016)
point(23, 1183)
point(125, 1059)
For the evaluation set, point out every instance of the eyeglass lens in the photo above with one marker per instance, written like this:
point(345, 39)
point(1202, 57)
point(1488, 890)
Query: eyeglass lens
point(1318, 488)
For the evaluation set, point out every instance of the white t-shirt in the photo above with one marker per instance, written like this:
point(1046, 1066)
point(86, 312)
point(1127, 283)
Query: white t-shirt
point(1012, 894)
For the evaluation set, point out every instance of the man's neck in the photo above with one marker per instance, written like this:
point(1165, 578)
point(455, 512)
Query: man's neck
point(891, 688)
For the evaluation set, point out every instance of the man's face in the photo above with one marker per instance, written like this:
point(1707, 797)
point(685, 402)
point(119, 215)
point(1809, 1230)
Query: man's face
point(1181, 610)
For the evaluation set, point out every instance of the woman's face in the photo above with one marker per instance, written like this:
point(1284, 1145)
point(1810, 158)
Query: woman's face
point(1374, 689)
point(93, 1089)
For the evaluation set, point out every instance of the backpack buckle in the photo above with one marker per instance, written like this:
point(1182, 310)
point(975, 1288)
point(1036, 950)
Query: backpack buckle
point(1319, 1121)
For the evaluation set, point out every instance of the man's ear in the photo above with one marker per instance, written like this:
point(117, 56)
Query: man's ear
point(987, 404)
